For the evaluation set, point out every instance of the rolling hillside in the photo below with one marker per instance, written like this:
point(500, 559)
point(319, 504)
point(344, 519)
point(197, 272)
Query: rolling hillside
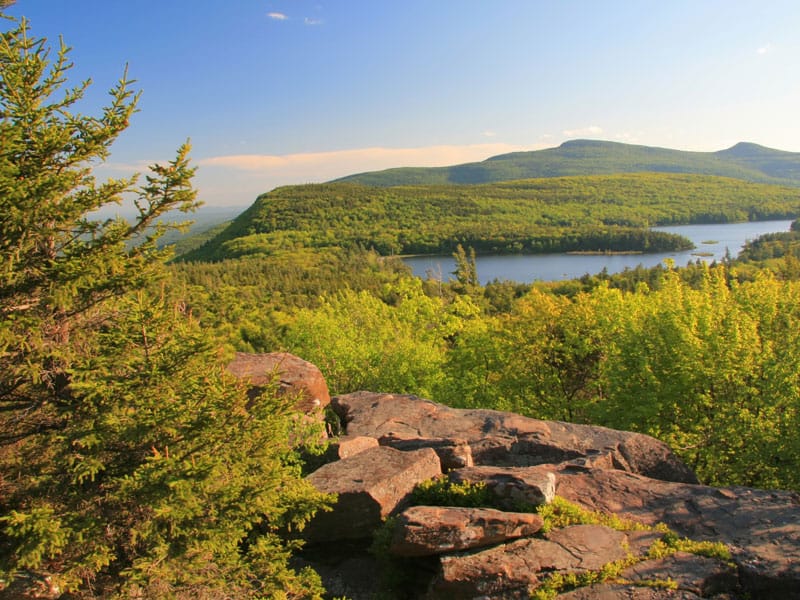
point(746, 161)
point(588, 213)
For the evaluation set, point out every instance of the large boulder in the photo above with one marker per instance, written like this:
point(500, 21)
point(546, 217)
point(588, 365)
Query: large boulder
point(428, 530)
point(294, 376)
point(507, 439)
point(371, 485)
point(525, 461)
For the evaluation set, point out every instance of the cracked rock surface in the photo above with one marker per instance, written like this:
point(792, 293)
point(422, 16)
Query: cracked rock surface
point(487, 554)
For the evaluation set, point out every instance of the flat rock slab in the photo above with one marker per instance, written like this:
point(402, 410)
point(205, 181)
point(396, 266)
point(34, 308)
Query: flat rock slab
point(429, 530)
point(507, 439)
point(699, 575)
point(761, 527)
point(515, 569)
point(514, 487)
point(371, 485)
point(618, 591)
point(293, 375)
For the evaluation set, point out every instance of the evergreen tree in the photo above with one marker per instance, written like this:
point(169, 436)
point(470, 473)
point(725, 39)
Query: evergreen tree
point(130, 465)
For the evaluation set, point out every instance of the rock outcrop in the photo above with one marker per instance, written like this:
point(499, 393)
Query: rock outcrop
point(371, 485)
point(506, 439)
point(292, 374)
point(637, 483)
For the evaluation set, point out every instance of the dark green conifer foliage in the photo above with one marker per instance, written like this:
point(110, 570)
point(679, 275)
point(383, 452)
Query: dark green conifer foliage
point(130, 465)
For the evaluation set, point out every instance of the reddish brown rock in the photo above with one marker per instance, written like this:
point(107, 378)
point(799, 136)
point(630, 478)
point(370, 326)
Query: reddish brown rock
point(293, 375)
point(619, 591)
point(347, 446)
point(515, 569)
point(371, 485)
point(514, 487)
point(427, 530)
point(506, 439)
point(761, 527)
point(454, 453)
point(700, 575)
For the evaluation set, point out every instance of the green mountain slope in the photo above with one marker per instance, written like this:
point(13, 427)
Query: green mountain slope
point(592, 213)
point(750, 162)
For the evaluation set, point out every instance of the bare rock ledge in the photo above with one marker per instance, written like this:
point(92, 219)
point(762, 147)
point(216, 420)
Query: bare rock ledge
point(496, 554)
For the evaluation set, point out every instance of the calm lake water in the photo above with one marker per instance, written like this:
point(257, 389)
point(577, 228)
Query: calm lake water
point(526, 268)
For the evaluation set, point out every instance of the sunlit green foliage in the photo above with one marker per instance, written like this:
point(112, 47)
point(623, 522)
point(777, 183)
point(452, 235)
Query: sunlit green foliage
point(248, 301)
point(711, 368)
point(560, 513)
point(363, 343)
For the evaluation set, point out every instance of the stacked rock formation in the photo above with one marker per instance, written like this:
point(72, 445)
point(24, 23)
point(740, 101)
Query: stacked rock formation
point(488, 553)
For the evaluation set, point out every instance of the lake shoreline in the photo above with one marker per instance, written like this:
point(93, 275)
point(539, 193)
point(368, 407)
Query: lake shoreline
point(528, 268)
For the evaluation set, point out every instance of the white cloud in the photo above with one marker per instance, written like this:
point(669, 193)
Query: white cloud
point(591, 130)
point(489, 133)
point(310, 21)
point(765, 49)
point(277, 16)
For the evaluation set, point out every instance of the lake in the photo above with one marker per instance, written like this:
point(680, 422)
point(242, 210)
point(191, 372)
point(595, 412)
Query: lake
point(527, 268)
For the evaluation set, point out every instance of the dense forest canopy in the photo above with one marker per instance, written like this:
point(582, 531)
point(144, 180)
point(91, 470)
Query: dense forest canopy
point(598, 213)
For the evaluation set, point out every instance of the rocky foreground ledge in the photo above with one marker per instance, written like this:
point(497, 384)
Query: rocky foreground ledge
point(391, 443)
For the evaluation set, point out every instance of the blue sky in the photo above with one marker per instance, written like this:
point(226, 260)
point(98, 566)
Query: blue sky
point(290, 91)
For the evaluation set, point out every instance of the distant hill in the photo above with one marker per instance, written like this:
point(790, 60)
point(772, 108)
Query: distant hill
point(746, 161)
point(556, 214)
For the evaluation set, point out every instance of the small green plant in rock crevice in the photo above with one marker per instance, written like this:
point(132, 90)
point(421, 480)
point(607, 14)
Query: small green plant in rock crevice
point(443, 492)
point(561, 513)
point(671, 543)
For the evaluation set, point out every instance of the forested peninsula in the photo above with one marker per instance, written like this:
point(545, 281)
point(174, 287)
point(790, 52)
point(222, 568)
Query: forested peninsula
point(559, 214)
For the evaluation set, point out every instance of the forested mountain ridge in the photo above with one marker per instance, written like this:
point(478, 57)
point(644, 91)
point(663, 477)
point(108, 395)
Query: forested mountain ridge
point(747, 161)
point(587, 213)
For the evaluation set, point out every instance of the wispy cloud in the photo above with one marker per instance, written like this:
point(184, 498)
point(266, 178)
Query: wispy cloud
point(765, 49)
point(237, 179)
point(630, 137)
point(590, 130)
point(278, 16)
point(311, 22)
point(320, 166)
